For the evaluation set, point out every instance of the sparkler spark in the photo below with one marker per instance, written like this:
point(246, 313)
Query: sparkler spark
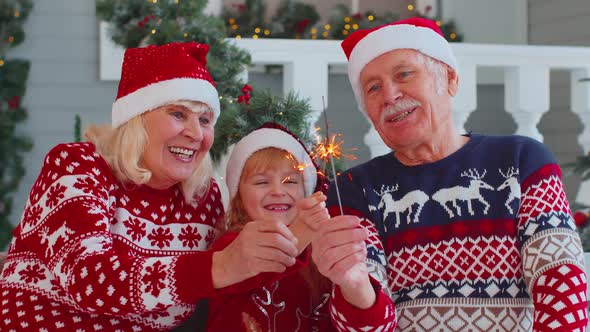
point(329, 150)
point(332, 147)
point(297, 165)
point(326, 150)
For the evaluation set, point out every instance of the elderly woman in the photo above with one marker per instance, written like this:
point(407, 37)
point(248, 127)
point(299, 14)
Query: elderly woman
point(115, 230)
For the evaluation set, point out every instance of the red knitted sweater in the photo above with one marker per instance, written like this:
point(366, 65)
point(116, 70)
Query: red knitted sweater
point(92, 254)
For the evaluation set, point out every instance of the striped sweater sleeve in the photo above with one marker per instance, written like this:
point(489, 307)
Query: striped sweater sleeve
point(379, 317)
point(552, 255)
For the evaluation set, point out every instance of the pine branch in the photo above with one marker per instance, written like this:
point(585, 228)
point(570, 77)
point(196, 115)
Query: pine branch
point(13, 80)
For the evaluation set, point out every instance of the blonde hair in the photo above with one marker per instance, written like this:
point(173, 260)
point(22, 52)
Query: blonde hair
point(258, 161)
point(123, 149)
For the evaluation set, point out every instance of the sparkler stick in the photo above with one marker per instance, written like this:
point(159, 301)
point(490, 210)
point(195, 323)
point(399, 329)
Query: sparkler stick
point(330, 152)
point(322, 144)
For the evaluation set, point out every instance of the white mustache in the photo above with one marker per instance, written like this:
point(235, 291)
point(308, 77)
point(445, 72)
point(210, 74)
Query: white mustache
point(402, 105)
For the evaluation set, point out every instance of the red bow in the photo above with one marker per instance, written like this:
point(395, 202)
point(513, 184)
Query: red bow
point(302, 25)
point(245, 97)
point(240, 6)
point(580, 219)
point(13, 102)
point(146, 20)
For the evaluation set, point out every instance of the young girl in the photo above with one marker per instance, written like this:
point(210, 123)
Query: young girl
point(271, 178)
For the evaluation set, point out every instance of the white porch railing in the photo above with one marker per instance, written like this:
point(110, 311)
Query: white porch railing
point(526, 76)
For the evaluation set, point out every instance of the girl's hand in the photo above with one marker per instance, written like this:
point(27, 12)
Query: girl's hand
point(311, 212)
point(261, 246)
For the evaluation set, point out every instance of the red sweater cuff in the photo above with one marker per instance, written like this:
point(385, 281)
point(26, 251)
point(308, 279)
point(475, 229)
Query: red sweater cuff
point(379, 313)
point(193, 276)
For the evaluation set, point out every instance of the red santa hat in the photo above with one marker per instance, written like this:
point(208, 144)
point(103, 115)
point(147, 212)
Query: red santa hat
point(420, 34)
point(153, 76)
point(272, 135)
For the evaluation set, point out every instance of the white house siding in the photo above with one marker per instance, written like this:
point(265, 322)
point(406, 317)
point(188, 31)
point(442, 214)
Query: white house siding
point(62, 45)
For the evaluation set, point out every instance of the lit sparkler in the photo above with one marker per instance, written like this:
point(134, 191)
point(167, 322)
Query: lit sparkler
point(328, 150)
point(332, 147)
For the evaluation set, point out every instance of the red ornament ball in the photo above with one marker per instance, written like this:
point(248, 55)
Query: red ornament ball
point(581, 219)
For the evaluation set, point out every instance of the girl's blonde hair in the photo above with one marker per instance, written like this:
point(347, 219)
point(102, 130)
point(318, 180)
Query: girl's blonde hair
point(258, 161)
point(123, 149)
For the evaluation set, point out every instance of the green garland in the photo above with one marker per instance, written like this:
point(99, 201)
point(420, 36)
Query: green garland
point(141, 22)
point(247, 19)
point(584, 232)
point(449, 30)
point(294, 19)
point(581, 167)
point(291, 112)
point(13, 14)
point(342, 22)
point(13, 78)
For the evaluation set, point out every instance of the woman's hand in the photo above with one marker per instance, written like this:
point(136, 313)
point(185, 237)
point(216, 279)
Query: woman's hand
point(311, 212)
point(261, 246)
point(339, 251)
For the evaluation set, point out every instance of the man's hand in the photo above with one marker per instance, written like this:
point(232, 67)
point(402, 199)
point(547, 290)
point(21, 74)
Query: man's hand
point(339, 251)
point(261, 246)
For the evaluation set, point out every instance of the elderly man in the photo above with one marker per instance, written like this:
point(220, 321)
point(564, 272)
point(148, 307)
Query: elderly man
point(465, 232)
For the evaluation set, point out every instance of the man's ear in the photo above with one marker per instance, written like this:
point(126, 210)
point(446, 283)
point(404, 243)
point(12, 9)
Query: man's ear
point(453, 81)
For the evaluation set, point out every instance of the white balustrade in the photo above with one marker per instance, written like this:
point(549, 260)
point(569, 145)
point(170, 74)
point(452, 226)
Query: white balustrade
point(526, 94)
point(465, 101)
point(580, 96)
point(307, 64)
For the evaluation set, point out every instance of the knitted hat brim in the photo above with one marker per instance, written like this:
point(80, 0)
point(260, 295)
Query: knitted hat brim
point(395, 37)
point(268, 138)
point(161, 93)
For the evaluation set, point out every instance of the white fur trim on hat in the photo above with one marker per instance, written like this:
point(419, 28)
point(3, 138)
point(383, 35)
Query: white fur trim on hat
point(394, 37)
point(267, 138)
point(160, 93)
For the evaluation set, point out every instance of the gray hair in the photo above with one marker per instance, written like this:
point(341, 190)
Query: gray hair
point(437, 68)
